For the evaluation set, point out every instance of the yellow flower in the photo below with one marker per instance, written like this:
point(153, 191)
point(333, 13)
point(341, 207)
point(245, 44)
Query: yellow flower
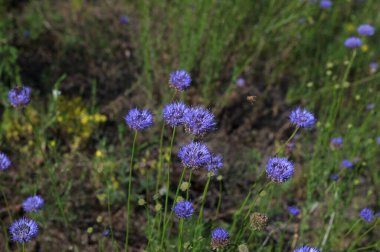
point(350, 27)
point(98, 153)
point(364, 48)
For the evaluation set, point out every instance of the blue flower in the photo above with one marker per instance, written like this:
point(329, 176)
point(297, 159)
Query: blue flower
point(325, 4)
point(366, 214)
point(5, 162)
point(240, 82)
point(347, 163)
point(139, 119)
point(180, 80)
point(373, 67)
point(219, 238)
point(174, 113)
point(19, 96)
point(215, 163)
point(334, 177)
point(106, 232)
point(378, 140)
point(123, 19)
point(194, 155)
point(33, 204)
point(279, 170)
point(336, 141)
point(23, 230)
point(183, 209)
point(353, 42)
point(199, 121)
point(366, 30)
point(293, 210)
point(306, 248)
point(302, 118)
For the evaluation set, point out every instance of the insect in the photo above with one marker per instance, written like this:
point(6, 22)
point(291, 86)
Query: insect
point(251, 99)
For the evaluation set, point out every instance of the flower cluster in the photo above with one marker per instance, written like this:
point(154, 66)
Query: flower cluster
point(293, 210)
point(325, 4)
point(23, 230)
point(139, 119)
point(219, 238)
point(5, 162)
point(199, 121)
point(366, 214)
point(174, 113)
point(366, 30)
point(352, 42)
point(302, 118)
point(183, 209)
point(180, 80)
point(258, 221)
point(336, 142)
point(279, 170)
point(194, 155)
point(33, 204)
point(306, 248)
point(19, 96)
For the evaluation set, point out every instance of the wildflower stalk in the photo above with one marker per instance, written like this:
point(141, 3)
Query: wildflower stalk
point(219, 199)
point(129, 190)
point(6, 202)
point(358, 239)
point(110, 219)
point(280, 151)
point(168, 185)
point(171, 213)
point(160, 157)
point(188, 184)
point(352, 228)
point(180, 236)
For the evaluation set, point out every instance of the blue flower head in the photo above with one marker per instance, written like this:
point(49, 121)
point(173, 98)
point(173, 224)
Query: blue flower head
point(293, 210)
point(5, 162)
point(240, 82)
point(366, 30)
point(106, 232)
point(279, 170)
point(33, 204)
point(23, 230)
point(373, 67)
point(302, 118)
point(139, 119)
point(337, 141)
point(325, 4)
point(194, 155)
point(306, 248)
point(334, 177)
point(378, 140)
point(180, 80)
point(352, 42)
point(366, 214)
point(215, 163)
point(347, 163)
point(199, 121)
point(123, 19)
point(174, 113)
point(183, 209)
point(219, 238)
point(19, 96)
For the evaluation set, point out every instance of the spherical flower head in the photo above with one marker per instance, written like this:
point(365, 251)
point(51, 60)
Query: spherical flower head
point(33, 204)
point(366, 214)
point(347, 163)
point(5, 162)
point(325, 4)
point(123, 19)
point(240, 82)
point(23, 230)
point(174, 113)
point(258, 221)
point(373, 67)
point(194, 155)
point(336, 142)
point(293, 210)
point(183, 209)
point(215, 164)
point(302, 118)
point(378, 140)
point(353, 42)
point(366, 30)
point(180, 80)
point(305, 249)
point(334, 177)
point(199, 121)
point(139, 119)
point(279, 170)
point(19, 96)
point(106, 232)
point(219, 238)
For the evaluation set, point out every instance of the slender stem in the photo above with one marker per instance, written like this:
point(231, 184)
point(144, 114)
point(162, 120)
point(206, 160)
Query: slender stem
point(189, 184)
point(160, 157)
point(171, 213)
point(352, 228)
point(364, 234)
point(110, 219)
point(6, 203)
point(168, 184)
point(219, 199)
point(180, 236)
point(23, 247)
point(287, 141)
point(129, 191)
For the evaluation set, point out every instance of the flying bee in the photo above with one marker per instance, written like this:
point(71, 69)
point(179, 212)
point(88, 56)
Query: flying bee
point(251, 98)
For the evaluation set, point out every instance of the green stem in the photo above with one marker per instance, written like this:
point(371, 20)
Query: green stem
point(189, 184)
point(171, 212)
point(219, 199)
point(280, 151)
point(180, 236)
point(352, 228)
point(160, 157)
point(129, 191)
point(361, 237)
point(110, 219)
point(6, 203)
point(168, 184)
point(23, 247)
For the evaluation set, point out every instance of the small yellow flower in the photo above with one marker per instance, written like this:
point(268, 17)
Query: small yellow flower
point(99, 219)
point(185, 186)
point(90, 230)
point(364, 48)
point(158, 207)
point(98, 153)
point(141, 202)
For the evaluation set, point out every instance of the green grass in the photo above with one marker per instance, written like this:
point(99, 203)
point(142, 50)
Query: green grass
point(290, 53)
